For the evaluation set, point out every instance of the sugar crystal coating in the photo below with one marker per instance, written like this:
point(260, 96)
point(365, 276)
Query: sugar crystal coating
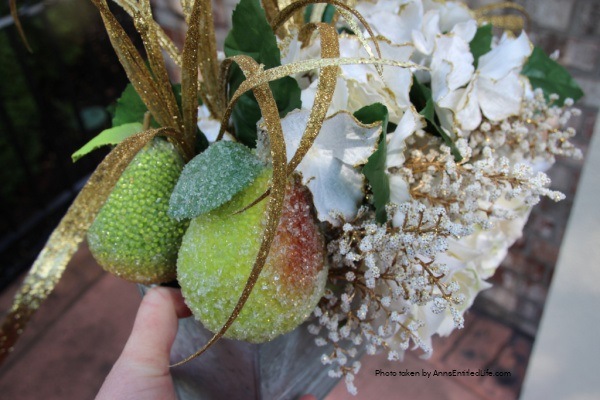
point(212, 178)
point(132, 236)
point(218, 252)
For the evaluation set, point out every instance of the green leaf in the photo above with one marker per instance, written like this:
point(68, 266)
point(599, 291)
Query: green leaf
point(328, 13)
point(551, 77)
point(108, 137)
point(130, 108)
point(212, 178)
point(327, 16)
point(308, 12)
point(421, 97)
point(481, 43)
point(252, 35)
point(374, 169)
point(247, 112)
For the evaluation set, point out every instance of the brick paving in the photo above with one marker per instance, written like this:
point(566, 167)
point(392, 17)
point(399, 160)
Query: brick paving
point(73, 341)
point(79, 332)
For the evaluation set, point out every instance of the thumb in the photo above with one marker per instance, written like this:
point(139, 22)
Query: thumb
point(142, 370)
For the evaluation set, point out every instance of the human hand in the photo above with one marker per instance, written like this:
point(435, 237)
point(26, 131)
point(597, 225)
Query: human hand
point(142, 370)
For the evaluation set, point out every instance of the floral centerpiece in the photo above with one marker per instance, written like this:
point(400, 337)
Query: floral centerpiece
point(363, 165)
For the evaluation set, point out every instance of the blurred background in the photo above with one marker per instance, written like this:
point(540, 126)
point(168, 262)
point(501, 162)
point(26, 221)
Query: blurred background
point(54, 100)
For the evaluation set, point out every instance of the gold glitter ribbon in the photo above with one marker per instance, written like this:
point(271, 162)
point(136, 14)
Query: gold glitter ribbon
point(268, 108)
point(346, 12)
point(146, 85)
point(513, 23)
point(12, 4)
point(144, 24)
point(70, 232)
point(165, 42)
point(327, 81)
point(200, 51)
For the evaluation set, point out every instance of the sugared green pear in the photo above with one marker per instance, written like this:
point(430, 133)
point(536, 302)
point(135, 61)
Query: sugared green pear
point(132, 236)
point(218, 251)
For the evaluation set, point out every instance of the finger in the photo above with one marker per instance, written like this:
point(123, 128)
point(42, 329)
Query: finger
point(142, 370)
point(180, 307)
point(155, 328)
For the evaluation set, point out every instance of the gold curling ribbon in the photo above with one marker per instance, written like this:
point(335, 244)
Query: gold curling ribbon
point(201, 34)
point(268, 108)
point(513, 23)
point(189, 71)
point(12, 4)
point(327, 82)
point(144, 24)
point(165, 42)
point(345, 11)
point(271, 8)
point(70, 232)
point(330, 48)
point(138, 74)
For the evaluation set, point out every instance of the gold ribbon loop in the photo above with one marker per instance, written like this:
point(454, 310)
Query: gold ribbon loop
point(325, 89)
point(165, 42)
point(513, 23)
point(346, 12)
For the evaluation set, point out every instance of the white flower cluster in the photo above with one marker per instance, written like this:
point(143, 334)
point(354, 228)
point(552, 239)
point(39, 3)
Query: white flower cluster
point(461, 177)
point(453, 212)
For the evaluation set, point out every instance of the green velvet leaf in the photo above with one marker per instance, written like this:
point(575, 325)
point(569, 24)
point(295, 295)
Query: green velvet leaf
point(110, 136)
point(374, 169)
point(421, 97)
point(551, 77)
point(481, 43)
point(251, 35)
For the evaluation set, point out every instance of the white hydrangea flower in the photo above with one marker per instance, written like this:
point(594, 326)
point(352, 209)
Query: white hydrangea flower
point(496, 89)
point(451, 69)
point(330, 168)
point(492, 244)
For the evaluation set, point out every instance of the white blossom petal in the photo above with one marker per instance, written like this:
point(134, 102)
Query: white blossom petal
point(465, 30)
point(465, 106)
point(399, 189)
point(208, 126)
point(328, 168)
point(510, 54)
point(424, 39)
point(339, 101)
point(451, 66)
point(396, 145)
point(500, 99)
point(343, 138)
point(335, 187)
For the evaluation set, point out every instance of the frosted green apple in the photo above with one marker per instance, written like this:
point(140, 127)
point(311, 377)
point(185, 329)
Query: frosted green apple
point(217, 254)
